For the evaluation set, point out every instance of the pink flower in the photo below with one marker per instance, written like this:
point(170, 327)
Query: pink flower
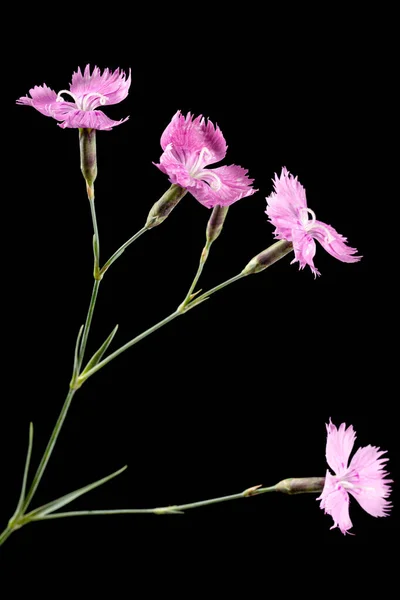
point(88, 91)
point(295, 222)
point(189, 146)
point(363, 478)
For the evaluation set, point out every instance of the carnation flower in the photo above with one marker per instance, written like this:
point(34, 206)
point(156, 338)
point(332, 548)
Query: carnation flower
point(88, 92)
point(363, 478)
point(295, 222)
point(190, 145)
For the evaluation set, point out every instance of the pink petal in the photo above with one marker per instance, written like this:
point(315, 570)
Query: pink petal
point(287, 211)
point(335, 502)
point(304, 250)
point(190, 136)
point(174, 168)
point(114, 86)
point(367, 475)
point(44, 99)
point(222, 186)
point(333, 242)
point(290, 187)
point(89, 119)
point(339, 444)
point(285, 203)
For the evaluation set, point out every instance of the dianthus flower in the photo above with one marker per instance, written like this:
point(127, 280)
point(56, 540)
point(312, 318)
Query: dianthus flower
point(88, 91)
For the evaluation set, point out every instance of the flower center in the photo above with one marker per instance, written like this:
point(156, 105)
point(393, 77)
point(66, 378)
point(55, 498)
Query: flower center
point(84, 102)
point(197, 172)
point(355, 487)
point(200, 161)
point(309, 224)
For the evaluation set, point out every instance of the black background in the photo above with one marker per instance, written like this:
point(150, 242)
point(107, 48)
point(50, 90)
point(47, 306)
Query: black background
point(238, 391)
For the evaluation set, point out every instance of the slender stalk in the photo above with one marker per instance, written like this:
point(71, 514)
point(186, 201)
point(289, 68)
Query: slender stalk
point(129, 344)
point(5, 535)
point(206, 295)
point(122, 249)
point(96, 240)
point(88, 322)
point(202, 262)
point(213, 231)
point(26, 471)
point(49, 450)
point(180, 311)
point(293, 485)
point(176, 509)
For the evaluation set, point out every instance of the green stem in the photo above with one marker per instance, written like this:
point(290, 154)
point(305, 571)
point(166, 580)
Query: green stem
point(176, 509)
point(96, 240)
point(206, 295)
point(88, 322)
point(122, 249)
point(5, 535)
point(129, 344)
point(180, 311)
point(203, 259)
point(49, 450)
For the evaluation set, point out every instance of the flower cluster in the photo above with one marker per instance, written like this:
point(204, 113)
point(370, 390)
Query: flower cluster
point(190, 145)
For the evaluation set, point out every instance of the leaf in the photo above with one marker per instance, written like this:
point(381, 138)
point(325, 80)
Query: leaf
point(76, 354)
point(25, 476)
point(96, 358)
point(63, 500)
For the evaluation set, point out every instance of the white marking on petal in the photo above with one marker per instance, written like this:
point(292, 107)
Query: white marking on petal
point(304, 212)
point(207, 174)
point(201, 160)
point(61, 99)
point(85, 103)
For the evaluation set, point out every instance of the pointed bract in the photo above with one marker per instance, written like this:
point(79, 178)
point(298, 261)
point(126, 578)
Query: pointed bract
point(295, 222)
point(364, 478)
point(191, 144)
point(87, 91)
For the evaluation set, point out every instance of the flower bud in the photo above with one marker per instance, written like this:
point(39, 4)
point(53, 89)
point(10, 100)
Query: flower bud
point(164, 205)
point(301, 485)
point(216, 223)
point(268, 257)
point(87, 145)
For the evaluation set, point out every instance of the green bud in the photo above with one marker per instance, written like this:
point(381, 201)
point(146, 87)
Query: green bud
point(87, 145)
point(165, 205)
point(216, 223)
point(268, 257)
point(301, 485)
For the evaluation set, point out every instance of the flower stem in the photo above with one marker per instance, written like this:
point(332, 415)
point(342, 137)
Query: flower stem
point(304, 485)
point(122, 249)
point(88, 322)
point(206, 295)
point(203, 259)
point(49, 450)
point(180, 311)
point(175, 509)
point(129, 344)
point(213, 231)
point(96, 240)
point(5, 534)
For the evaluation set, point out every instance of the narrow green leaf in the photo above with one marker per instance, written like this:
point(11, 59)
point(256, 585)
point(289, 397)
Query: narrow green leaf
point(96, 358)
point(96, 249)
point(63, 500)
point(76, 354)
point(56, 504)
point(25, 476)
